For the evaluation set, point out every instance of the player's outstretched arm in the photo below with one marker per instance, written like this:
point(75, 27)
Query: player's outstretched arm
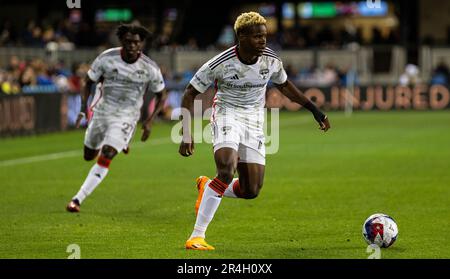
point(187, 143)
point(289, 90)
point(147, 125)
point(85, 92)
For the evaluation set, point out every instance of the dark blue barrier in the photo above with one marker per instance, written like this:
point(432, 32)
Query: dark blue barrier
point(29, 114)
point(37, 113)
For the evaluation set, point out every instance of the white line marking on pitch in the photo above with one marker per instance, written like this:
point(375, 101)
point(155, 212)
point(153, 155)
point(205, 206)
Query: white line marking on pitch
point(74, 153)
point(68, 154)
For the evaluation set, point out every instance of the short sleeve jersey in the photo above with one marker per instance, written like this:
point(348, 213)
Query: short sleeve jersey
point(239, 85)
point(124, 84)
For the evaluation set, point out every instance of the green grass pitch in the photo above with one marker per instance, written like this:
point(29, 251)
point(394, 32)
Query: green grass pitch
point(319, 188)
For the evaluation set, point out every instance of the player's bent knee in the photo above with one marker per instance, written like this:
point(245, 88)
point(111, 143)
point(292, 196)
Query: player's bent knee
point(90, 154)
point(108, 152)
point(250, 195)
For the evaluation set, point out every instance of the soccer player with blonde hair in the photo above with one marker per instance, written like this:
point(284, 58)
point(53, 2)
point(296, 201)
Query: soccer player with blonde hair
point(240, 76)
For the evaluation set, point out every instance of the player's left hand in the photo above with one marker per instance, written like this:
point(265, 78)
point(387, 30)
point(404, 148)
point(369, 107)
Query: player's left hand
point(80, 117)
point(147, 130)
point(324, 124)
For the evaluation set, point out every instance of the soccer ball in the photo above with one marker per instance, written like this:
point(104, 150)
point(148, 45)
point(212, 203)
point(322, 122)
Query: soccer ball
point(380, 229)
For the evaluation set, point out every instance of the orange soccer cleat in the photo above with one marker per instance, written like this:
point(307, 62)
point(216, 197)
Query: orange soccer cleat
point(198, 243)
point(201, 182)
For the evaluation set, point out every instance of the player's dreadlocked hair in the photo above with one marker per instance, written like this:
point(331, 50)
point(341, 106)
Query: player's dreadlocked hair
point(246, 20)
point(133, 29)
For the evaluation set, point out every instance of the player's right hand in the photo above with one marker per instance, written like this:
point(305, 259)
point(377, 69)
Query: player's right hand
point(186, 148)
point(80, 117)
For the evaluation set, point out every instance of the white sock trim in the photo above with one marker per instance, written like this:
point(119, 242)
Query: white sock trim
point(229, 192)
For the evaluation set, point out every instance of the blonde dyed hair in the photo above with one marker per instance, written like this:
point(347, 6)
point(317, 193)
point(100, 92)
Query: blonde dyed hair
point(248, 19)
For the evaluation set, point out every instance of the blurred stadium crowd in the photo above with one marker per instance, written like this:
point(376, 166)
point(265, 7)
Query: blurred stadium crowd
point(68, 34)
point(38, 76)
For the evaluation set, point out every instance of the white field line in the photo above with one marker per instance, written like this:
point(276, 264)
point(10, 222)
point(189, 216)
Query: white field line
point(40, 158)
point(158, 141)
point(71, 153)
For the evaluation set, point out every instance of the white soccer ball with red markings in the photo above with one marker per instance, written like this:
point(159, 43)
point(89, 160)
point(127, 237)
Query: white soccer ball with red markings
point(380, 229)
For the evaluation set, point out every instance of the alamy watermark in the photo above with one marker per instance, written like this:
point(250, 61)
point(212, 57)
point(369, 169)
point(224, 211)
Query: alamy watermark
point(249, 127)
point(374, 4)
point(374, 251)
point(73, 4)
point(75, 252)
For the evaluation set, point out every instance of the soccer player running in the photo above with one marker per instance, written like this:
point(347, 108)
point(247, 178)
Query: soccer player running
point(240, 76)
point(126, 74)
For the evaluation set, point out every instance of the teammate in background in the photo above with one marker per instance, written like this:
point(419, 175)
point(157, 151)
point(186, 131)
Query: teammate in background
point(125, 74)
point(240, 76)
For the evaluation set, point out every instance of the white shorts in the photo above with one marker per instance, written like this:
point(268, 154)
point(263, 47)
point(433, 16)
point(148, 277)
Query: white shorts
point(112, 131)
point(244, 135)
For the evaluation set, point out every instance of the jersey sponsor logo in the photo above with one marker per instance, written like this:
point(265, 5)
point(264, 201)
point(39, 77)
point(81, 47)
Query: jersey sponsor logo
point(247, 85)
